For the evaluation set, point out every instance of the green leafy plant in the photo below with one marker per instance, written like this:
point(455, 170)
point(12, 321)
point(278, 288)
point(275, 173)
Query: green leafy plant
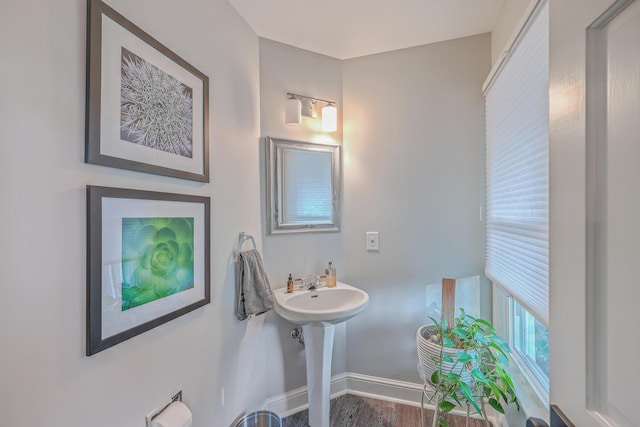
point(157, 258)
point(473, 374)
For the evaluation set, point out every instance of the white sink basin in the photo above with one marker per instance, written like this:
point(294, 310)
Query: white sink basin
point(332, 305)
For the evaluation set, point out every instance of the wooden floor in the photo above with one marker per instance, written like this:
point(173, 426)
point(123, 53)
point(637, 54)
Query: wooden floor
point(356, 411)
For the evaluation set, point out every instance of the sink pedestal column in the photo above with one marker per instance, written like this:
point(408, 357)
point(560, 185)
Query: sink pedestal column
point(318, 340)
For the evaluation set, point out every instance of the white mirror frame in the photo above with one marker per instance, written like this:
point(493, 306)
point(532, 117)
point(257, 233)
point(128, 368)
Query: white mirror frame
point(274, 149)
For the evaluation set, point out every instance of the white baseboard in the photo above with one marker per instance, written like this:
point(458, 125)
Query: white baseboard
point(402, 392)
point(296, 400)
point(384, 389)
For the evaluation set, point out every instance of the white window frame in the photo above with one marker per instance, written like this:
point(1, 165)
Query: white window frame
point(532, 370)
point(532, 393)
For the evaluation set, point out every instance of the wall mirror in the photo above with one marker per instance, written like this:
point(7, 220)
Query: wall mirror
point(303, 186)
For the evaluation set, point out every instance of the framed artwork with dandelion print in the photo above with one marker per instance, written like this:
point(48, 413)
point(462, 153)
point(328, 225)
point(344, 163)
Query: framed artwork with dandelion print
point(147, 108)
point(147, 261)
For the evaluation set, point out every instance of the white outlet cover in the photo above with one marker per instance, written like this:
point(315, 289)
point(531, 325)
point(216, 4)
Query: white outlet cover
point(373, 241)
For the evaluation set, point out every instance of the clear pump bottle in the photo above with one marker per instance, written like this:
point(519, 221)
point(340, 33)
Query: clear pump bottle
point(331, 276)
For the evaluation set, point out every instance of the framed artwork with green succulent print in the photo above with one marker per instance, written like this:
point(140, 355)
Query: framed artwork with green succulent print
point(147, 108)
point(147, 261)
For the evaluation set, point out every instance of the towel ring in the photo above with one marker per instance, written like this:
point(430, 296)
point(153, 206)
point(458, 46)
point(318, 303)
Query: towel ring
point(243, 237)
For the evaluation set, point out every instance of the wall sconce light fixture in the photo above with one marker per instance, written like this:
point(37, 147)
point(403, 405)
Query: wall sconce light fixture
point(292, 111)
point(329, 118)
point(300, 105)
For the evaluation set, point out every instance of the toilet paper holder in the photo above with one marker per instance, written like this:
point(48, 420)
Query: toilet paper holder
point(153, 414)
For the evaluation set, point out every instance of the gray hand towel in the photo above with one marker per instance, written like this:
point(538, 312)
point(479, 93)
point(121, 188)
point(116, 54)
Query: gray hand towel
point(253, 291)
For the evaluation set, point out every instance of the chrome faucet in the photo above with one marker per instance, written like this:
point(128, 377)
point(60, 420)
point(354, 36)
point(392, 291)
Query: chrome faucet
point(315, 285)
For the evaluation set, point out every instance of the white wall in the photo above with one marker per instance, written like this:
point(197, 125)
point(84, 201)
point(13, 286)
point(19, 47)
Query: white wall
point(283, 69)
point(46, 378)
point(414, 172)
point(510, 15)
point(572, 313)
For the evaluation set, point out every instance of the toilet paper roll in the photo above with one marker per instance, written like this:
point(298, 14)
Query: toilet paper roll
point(176, 415)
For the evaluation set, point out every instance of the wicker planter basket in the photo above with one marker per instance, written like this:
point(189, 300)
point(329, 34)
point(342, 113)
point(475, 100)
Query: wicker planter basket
point(429, 352)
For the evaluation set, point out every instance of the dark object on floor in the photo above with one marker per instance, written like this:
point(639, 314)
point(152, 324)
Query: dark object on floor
point(558, 418)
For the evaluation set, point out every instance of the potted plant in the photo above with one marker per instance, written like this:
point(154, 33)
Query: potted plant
point(464, 363)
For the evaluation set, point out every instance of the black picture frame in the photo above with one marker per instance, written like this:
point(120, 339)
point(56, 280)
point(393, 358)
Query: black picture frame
point(128, 249)
point(122, 126)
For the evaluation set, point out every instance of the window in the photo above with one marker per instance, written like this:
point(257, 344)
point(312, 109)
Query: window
point(517, 167)
point(530, 338)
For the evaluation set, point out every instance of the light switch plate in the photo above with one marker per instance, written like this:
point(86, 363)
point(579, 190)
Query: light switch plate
point(373, 241)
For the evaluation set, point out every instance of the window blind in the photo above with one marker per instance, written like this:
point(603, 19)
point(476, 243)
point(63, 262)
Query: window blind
point(306, 186)
point(517, 168)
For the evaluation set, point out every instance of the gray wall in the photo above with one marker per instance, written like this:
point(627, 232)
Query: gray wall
point(283, 69)
point(414, 172)
point(46, 378)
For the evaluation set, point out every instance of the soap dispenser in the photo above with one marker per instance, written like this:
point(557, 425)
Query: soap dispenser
point(331, 276)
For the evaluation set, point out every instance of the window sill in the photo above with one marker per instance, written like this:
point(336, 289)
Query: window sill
point(532, 404)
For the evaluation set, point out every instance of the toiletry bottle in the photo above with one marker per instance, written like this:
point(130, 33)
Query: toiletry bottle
point(290, 284)
point(331, 276)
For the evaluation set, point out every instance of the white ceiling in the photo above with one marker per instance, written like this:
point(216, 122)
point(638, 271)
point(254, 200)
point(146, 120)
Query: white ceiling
point(350, 28)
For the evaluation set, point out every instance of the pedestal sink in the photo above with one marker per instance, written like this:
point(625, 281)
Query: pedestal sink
point(318, 311)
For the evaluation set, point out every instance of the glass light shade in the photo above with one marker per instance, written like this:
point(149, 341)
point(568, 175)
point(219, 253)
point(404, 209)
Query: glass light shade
point(329, 118)
point(292, 112)
point(307, 107)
